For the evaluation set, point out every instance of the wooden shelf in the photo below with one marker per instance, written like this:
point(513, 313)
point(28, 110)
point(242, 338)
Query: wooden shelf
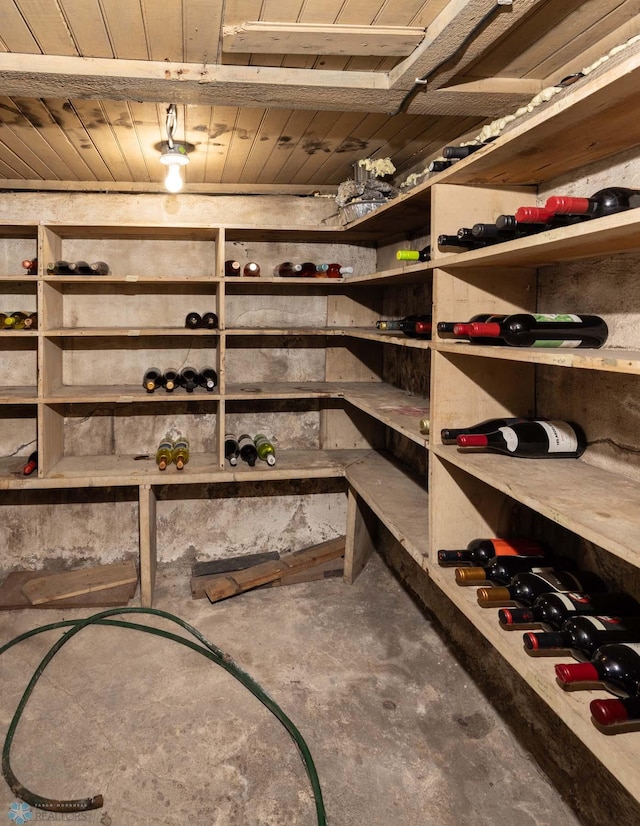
point(131, 279)
point(398, 339)
point(124, 394)
point(282, 390)
point(17, 333)
point(284, 331)
point(395, 408)
point(144, 231)
point(601, 506)
point(605, 359)
point(619, 754)
point(398, 499)
point(18, 395)
point(17, 279)
point(126, 332)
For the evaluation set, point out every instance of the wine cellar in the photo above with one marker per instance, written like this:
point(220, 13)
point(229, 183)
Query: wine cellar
point(241, 362)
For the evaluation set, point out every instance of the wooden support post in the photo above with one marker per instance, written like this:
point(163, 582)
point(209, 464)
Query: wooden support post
point(361, 532)
point(148, 551)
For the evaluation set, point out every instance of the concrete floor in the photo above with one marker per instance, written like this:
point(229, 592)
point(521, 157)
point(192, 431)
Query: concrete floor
point(398, 733)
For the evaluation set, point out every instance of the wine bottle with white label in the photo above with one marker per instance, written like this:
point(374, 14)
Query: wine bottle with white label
point(582, 636)
point(544, 330)
point(531, 440)
point(526, 587)
point(552, 610)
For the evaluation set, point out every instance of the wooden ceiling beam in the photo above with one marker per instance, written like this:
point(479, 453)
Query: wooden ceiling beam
point(37, 185)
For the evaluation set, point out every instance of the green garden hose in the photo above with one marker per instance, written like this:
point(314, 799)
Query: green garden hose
point(207, 649)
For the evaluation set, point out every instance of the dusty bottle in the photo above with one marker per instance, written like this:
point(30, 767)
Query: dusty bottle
point(482, 551)
point(526, 587)
point(231, 449)
point(440, 166)
point(287, 269)
point(451, 243)
point(31, 266)
point(501, 569)
point(193, 320)
point(414, 255)
point(188, 378)
point(544, 330)
point(170, 379)
point(265, 449)
point(152, 379)
point(16, 320)
point(210, 321)
point(99, 268)
point(231, 267)
point(616, 666)
point(31, 321)
point(457, 152)
point(58, 268)
point(582, 636)
point(80, 268)
point(31, 464)
point(251, 269)
point(311, 270)
point(552, 610)
point(449, 435)
point(164, 453)
point(248, 452)
point(531, 440)
point(208, 378)
point(181, 452)
point(604, 202)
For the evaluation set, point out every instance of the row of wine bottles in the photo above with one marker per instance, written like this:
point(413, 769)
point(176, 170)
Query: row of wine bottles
point(248, 449)
point(172, 451)
point(600, 629)
point(516, 330)
point(289, 270)
point(187, 377)
point(18, 320)
point(206, 321)
point(75, 267)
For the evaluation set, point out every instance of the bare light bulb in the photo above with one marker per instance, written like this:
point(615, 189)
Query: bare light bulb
point(173, 182)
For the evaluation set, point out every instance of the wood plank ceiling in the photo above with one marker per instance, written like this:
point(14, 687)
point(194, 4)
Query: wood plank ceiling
point(84, 84)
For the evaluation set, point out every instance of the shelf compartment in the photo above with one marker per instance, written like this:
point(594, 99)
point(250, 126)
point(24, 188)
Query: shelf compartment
point(619, 754)
point(601, 506)
point(18, 366)
point(18, 437)
point(397, 497)
point(395, 408)
point(17, 242)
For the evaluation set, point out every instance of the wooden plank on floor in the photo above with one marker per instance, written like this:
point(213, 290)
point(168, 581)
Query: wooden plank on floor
point(12, 597)
point(83, 581)
point(228, 586)
point(233, 563)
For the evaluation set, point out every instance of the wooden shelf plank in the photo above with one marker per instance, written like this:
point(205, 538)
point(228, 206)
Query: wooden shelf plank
point(410, 274)
point(608, 360)
point(283, 390)
point(284, 331)
point(18, 395)
point(126, 332)
point(393, 407)
point(619, 754)
point(398, 499)
point(18, 333)
point(122, 394)
point(391, 337)
point(18, 279)
point(601, 506)
point(131, 279)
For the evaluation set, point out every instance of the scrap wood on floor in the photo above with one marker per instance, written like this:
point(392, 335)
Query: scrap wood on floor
point(246, 573)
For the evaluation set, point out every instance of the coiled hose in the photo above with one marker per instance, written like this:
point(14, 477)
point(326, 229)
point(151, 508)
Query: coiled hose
point(206, 648)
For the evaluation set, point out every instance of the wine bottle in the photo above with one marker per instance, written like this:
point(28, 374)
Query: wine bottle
point(248, 452)
point(58, 268)
point(264, 447)
point(440, 166)
point(3, 317)
point(181, 452)
point(524, 588)
point(251, 269)
point(507, 232)
point(459, 152)
point(552, 610)
point(210, 321)
point(170, 379)
point(424, 425)
point(287, 269)
point(16, 320)
point(582, 636)
point(31, 266)
point(482, 551)
point(616, 666)
point(193, 321)
point(449, 243)
point(231, 267)
point(532, 217)
point(188, 378)
point(604, 202)
point(414, 255)
point(337, 271)
point(544, 330)
point(310, 270)
point(461, 329)
point(164, 453)
point(501, 569)
point(31, 465)
point(466, 234)
point(448, 435)
point(533, 439)
point(152, 379)
point(208, 378)
point(231, 449)
point(80, 268)
point(621, 710)
point(99, 268)
point(31, 321)
point(415, 326)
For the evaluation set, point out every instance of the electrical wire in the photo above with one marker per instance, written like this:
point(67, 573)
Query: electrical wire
point(422, 81)
point(207, 649)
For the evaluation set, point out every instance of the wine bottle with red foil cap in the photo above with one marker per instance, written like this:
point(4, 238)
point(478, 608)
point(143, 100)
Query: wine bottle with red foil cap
point(31, 266)
point(537, 217)
point(461, 329)
point(482, 551)
point(501, 569)
point(534, 439)
point(611, 712)
point(604, 202)
point(544, 330)
point(526, 587)
point(31, 465)
point(449, 435)
point(582, 636)
point(414, 255)
point(616, 666)
point(552, 610)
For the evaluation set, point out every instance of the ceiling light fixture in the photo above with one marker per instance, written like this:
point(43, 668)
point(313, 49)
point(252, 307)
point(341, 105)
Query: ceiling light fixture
point(174, 155)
